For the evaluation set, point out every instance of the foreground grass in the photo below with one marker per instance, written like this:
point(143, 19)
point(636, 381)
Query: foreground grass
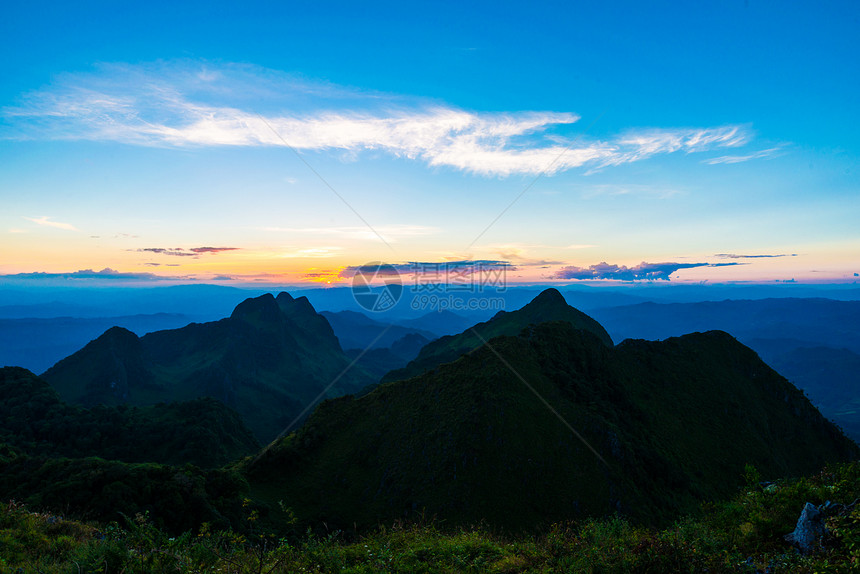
point(743, 535)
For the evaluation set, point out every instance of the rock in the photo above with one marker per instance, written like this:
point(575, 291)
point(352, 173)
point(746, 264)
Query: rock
point(810, 527)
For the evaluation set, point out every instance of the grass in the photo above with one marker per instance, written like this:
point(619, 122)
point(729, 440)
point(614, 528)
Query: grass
point(741, 535)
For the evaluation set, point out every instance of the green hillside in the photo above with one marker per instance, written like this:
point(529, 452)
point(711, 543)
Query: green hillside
point(178, 498)
point(547, 306)
point(675, 422)
point(34, 420)
point(741, 535)
point(269, 360)
point(103, 462)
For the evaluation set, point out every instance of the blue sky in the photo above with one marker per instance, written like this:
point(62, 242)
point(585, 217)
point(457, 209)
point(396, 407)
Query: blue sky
point(291, 141)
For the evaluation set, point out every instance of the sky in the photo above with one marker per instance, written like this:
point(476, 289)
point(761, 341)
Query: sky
point(293, 142)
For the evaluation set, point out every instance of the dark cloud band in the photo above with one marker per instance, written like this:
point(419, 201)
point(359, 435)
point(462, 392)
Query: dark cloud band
point(643, 271)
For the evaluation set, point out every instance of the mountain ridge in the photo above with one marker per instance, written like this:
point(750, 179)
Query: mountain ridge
point(548, 305)
point(473, 439)
point(268, 360)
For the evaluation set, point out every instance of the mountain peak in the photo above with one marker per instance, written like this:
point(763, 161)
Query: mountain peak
point(548, 306)
point(303, 304)
point(118, 333)
point(284, 297)
point(549, 296)
point(261, 306)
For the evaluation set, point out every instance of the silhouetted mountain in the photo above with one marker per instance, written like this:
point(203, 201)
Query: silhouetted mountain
point(358, 331)
point(814, 343)
point(549, 305)
point(505, 433)
point(269, 360)
point(35, 421)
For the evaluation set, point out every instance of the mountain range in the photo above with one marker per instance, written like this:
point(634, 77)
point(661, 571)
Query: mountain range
point(270, 361)
point(541, 419)
point(529, 418)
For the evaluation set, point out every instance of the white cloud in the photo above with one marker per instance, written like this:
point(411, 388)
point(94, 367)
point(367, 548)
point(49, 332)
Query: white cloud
point(741, 158)
point(190, 104)
point(311, 252)
point(46, 221)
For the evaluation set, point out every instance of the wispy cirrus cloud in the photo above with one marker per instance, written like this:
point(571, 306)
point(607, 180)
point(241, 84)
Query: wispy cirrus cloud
point(45, 221)
point(646, 271)
point(180, 104)
point(630, 189)
point(765, 153)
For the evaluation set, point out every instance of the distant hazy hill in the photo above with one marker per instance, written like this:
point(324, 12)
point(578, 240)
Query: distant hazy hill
point(440, 322)
point(358, 331)
point(35, 421)
point(377, 362)
point(269, 360)
point(809, 322)
point(547, 306)
point(831, 378)
point(199, 300)
point(676, 422)
point(37, 343)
